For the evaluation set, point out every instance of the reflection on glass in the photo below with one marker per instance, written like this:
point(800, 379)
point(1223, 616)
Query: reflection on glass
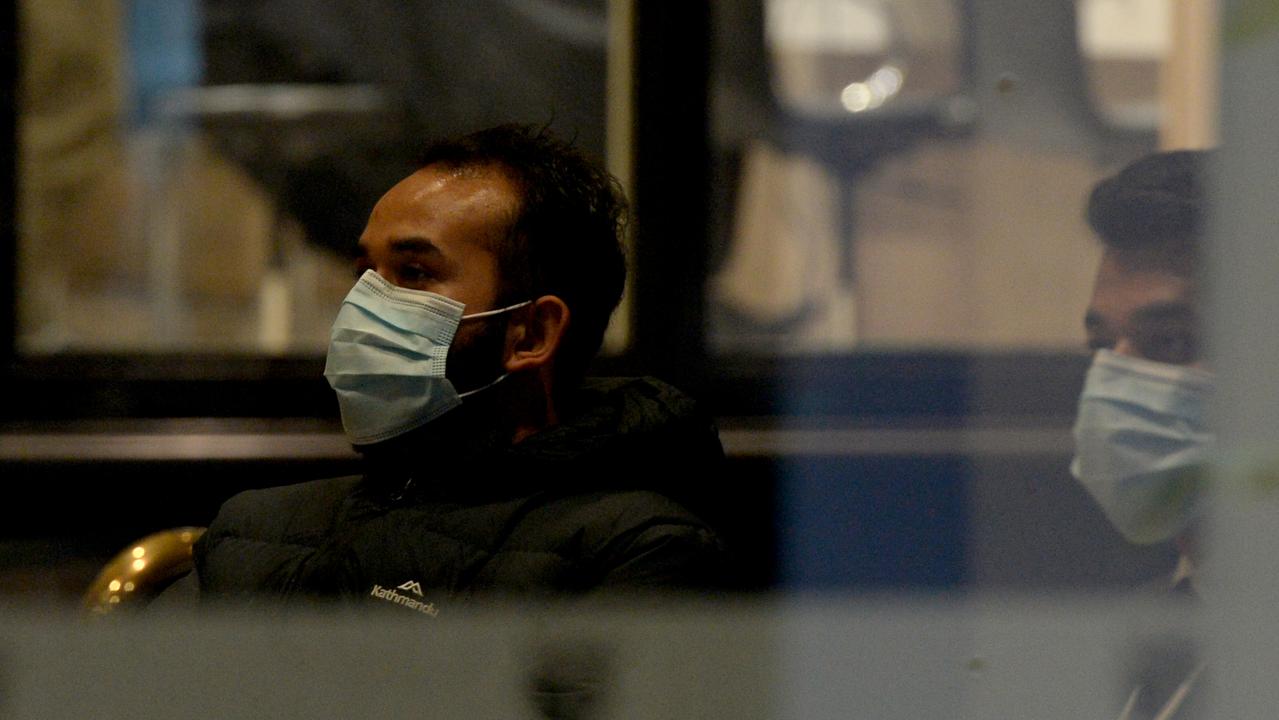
point(149, 239)
point(1124, 44)
point(881, 86)
point(920, 182)
point(862, 220)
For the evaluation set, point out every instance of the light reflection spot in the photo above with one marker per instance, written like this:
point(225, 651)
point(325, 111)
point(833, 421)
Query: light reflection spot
point(887, 81)
point(856, 97)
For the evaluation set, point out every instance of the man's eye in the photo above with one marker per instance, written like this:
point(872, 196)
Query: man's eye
point(414, 275)
point(1172, 348)
point(1096, 343)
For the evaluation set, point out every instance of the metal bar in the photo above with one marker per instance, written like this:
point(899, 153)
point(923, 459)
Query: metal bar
point(221, 446)
point(8, 183)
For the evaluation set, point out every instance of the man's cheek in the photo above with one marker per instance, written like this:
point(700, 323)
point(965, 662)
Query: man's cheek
point(476, 354)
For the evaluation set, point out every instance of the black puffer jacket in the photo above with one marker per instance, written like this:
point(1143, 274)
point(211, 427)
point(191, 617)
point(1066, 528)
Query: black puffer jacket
point(583, 506)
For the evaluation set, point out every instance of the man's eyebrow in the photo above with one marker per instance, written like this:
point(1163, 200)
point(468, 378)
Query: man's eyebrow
point(418, 245)
point(1165, 311)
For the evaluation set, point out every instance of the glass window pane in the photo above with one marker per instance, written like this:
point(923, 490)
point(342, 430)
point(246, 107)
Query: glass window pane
point(917, 180)
point(195, 174)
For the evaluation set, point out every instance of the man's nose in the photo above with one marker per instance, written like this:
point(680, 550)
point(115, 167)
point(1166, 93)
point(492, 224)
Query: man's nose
point(1125, 346)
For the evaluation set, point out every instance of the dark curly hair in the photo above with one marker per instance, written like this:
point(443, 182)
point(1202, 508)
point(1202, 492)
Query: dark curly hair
point(566, 236)
point(1154, 208)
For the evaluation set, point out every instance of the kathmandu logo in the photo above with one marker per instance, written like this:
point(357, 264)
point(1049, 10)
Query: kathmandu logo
point(390, 595)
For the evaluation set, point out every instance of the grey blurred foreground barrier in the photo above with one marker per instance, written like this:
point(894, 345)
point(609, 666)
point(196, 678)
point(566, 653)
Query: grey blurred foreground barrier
point(820, 657)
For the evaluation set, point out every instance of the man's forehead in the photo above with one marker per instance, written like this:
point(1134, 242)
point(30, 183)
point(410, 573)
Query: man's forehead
point(1123, 287)
point(435, 188)
point(1126, 272)
point(441, 205)
point(1172, 254)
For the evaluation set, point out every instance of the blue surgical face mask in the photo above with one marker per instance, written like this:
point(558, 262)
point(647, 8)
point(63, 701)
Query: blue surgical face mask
point(386, 360)
point(1142, 443)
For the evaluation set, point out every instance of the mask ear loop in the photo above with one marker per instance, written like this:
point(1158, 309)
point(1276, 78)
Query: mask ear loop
point(499, 311)
point(468, 393)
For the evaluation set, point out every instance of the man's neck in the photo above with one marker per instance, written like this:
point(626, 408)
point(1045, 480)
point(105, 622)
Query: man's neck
point(532, 406)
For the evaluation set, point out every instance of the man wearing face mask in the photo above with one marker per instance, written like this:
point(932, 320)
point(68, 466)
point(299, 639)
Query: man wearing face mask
point(1141, 433)
point(487, 279)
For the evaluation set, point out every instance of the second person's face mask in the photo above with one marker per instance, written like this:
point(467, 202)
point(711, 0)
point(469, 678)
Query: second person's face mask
point(1142, 443)
point(387, 354)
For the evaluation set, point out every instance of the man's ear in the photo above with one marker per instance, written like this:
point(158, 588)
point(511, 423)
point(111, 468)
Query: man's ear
point(535, 333)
